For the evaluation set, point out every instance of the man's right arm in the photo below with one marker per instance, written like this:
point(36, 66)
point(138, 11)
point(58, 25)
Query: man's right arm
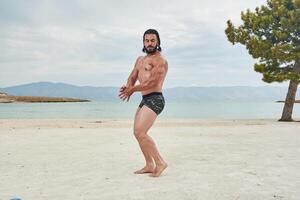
point(134, 74)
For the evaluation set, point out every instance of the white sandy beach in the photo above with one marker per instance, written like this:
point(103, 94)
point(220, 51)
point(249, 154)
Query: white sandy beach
point(95, 159)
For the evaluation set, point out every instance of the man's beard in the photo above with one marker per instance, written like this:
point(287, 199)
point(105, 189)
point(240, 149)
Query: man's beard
point(152, 50)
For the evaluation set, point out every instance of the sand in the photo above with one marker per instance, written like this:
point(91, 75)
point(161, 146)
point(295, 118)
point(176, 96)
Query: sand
point(95, 159)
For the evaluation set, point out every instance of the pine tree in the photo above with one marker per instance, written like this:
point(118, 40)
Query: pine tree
point(271, 35)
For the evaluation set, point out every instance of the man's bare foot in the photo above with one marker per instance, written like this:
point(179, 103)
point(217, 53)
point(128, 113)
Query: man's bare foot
point(159, 169)
point(146, 169)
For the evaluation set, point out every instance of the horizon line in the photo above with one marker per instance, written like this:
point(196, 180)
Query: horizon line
point(179, 86)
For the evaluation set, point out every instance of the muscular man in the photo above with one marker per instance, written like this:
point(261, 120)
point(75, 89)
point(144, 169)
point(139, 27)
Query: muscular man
point(150, 70)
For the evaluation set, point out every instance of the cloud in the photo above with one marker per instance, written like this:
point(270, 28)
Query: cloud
point(78, 42)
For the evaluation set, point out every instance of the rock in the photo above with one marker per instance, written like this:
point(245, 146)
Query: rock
point(6, 100)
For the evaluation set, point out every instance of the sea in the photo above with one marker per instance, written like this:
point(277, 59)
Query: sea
point(126, 110)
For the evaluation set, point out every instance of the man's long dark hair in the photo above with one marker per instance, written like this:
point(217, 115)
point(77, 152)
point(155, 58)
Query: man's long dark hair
point(152, 31)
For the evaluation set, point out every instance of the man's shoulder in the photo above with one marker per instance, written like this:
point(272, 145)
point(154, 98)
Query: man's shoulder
point(140, 58)
point(162, 60)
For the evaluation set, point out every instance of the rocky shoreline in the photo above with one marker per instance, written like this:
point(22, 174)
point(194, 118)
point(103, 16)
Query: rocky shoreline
point(296, 101)
point(5, 98)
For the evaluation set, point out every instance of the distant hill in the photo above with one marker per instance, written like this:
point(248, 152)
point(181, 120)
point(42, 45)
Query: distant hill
point(50, 89)
point(61, 90)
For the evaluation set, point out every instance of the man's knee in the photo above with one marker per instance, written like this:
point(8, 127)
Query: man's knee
point(139, 134)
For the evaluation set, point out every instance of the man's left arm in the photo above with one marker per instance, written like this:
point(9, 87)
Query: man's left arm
point(157, 74)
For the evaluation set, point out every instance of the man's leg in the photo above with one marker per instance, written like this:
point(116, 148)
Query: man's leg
point(144, 120)
point(150, 166)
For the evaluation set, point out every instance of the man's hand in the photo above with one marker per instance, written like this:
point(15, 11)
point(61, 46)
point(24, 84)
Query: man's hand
point(122, 88)
point(125, 92)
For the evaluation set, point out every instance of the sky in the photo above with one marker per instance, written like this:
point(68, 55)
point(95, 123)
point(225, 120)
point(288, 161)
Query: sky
point(96, 42)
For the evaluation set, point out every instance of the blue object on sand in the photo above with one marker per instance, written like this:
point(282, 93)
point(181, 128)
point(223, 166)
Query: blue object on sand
point(16, 198)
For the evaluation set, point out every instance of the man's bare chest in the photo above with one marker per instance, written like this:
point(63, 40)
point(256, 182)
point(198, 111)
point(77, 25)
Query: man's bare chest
point(146, 66)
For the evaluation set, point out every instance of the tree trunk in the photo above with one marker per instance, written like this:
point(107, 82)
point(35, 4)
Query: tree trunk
point(290, 97)
point(289, 102)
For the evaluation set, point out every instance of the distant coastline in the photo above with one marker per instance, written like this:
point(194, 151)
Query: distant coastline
point(296, 101)
point(176, 94)
point(6, 98)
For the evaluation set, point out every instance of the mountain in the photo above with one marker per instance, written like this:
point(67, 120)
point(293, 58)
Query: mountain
point(50, 89)
point(245, 93)
point(62, 90)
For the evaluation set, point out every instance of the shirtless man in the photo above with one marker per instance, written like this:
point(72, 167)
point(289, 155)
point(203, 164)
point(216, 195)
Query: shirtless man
point(150, 71)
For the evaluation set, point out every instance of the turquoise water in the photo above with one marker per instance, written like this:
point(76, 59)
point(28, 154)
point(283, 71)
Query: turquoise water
point(126, 110)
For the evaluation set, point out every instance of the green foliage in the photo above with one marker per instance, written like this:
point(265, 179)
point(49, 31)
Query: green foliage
point(271, 34)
